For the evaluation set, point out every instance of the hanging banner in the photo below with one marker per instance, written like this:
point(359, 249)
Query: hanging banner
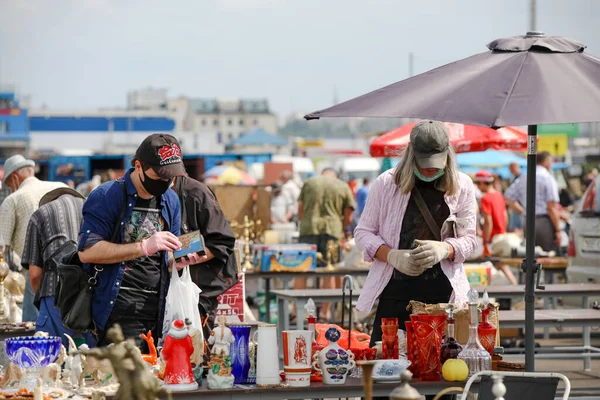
point(231, 303)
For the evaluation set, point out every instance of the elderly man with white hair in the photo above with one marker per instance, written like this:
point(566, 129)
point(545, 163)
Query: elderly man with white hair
point(418, 227)
point(16, 210)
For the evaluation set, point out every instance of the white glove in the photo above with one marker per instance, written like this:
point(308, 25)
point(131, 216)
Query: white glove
point(429, 253)
point(402, 261)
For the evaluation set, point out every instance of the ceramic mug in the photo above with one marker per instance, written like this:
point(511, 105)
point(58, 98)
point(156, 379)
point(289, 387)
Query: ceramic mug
point(297, 357)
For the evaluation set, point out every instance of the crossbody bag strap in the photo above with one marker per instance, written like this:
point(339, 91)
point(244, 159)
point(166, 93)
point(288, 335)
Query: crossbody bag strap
point(97, 268)
point(184, 220)
point(433, 226)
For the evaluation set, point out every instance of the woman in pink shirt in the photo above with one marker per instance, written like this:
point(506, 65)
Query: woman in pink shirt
point(410, 260)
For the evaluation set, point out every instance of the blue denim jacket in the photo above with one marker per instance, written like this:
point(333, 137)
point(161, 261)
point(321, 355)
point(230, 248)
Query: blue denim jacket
point(100, 213)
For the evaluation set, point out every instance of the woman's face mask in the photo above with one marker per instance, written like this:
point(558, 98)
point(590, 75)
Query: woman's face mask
point(432, 178)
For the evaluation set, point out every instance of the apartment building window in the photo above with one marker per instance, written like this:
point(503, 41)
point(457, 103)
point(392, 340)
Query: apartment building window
point(255, 122)
point(203, 122)
point(241, 122)
point(216, 122)
point(230, 136)
point(230, 122)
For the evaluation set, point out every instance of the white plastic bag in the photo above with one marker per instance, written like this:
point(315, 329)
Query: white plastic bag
point(193, 293)
point(182, 301)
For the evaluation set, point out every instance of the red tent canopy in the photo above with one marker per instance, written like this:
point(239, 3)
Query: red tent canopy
point(464, 139)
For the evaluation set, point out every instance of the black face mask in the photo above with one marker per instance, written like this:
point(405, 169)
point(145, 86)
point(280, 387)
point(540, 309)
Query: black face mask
point(155, 187)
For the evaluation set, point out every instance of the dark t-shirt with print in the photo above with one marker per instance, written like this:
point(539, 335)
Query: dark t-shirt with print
point(139, 294)
point(414, 226)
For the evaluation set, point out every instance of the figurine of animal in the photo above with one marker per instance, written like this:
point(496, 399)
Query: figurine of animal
point(151, 358)
point(77, 362)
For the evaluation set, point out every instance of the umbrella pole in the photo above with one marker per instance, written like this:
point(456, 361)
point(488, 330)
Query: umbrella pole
point(530, 265)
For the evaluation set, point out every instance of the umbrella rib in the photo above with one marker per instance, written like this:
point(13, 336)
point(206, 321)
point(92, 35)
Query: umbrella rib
point(512, 87)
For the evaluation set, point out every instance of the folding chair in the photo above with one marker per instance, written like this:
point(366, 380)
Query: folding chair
point(520, 385)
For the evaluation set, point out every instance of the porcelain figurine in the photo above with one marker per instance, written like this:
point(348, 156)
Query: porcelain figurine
point(221, 338)
point(152, 356)
point(136, 380)
point(197, 357)
point(333, 361)
point(76, 366)
point(176, 352)
point(219, 372)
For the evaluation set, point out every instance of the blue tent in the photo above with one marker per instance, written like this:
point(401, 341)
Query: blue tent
point(258, 137)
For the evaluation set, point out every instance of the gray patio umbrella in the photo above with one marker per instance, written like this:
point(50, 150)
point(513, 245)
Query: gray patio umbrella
point(522, 80)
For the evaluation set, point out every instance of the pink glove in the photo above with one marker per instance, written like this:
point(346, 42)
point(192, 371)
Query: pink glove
point(160, 241)
point(190, 259)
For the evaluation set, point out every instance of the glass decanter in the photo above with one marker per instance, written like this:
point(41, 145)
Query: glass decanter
point(451, 348)
point(311, 310)
point(474, 354)
point(486, 331)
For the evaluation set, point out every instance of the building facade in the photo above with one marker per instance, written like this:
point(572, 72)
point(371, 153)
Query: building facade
point(229, 118)
point(14, 137)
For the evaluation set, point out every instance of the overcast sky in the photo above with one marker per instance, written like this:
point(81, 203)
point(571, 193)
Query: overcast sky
point(84, 54)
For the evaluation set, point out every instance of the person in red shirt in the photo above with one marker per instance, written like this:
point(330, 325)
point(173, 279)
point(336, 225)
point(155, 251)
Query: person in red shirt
point(493, 209)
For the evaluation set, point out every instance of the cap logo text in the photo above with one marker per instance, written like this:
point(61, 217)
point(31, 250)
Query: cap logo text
point(169, 154)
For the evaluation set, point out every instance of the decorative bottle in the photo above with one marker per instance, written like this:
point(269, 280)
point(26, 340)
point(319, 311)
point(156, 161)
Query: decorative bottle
point(311, 310)
point(451, 348)
point(485, 330)
point(474, 354)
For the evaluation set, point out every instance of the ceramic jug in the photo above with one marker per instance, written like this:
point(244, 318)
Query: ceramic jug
point(333, 361)
point(267, 356)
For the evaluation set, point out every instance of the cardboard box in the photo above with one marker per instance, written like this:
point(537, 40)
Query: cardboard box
point(289, 257)
point(478, 275)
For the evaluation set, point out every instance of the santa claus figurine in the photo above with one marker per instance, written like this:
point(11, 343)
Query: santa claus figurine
point(176, 354)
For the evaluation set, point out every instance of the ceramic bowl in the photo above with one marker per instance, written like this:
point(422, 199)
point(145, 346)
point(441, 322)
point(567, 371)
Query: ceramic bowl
point(389, 370)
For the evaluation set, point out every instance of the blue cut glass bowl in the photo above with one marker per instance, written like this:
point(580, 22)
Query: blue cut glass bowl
point(33, 352)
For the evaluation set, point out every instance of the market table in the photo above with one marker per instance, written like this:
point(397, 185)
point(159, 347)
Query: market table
point(352, 388)
point(300, 297)
point(286, 275)
point(586, 318)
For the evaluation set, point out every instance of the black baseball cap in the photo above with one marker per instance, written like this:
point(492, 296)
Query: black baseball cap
point(162, 153)
point(430, 143)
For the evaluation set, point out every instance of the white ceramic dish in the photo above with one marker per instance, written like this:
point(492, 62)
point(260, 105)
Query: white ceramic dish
point(389, 370)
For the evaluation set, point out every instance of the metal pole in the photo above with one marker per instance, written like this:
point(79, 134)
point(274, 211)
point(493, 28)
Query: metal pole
point(530, 263)
point(533, 16)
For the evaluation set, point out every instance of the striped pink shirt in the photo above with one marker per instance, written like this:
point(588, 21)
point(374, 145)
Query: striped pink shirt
point(380, 224)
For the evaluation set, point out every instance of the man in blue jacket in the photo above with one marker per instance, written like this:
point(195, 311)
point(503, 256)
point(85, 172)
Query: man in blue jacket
point(133, 278)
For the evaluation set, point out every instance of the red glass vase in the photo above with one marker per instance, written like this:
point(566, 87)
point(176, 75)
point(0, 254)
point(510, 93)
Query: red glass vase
point(487, 332)
point(411, 348)
point(389, 321)
point(389, 342)
point(429, 331)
